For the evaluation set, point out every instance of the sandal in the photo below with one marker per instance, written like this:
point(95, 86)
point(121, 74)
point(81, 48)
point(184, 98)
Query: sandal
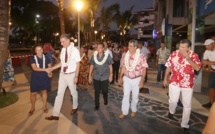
point(31, 112)
point(45, 110)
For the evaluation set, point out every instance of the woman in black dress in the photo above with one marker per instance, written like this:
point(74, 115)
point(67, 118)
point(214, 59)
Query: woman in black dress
point(40, 79)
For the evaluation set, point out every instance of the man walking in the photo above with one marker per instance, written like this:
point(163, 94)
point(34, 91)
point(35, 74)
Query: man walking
point(209, 59)
point(162, 55)
point(101, 65)
point(145, 51)
point(182, 64)
point(134, 70)
point(70, 58)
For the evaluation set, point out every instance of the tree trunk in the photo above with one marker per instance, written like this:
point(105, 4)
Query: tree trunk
point(61, 15)
point(4, 34)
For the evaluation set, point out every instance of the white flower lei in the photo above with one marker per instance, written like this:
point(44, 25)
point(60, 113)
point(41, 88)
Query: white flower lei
point(116, 51)
point(134, 64)
point(37, 64)
point(70, 55)
point(103, 60)
point(82, 56)
point(175, 60)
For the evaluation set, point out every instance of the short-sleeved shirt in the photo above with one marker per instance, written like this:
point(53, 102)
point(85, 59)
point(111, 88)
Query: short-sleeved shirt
point(182, 72)
point(101, 72)
point(145, 51)
point(137, 72)
point(209, 55)
point(117, 55)
point(110, 52)
point(163, 55)
point(75, 57)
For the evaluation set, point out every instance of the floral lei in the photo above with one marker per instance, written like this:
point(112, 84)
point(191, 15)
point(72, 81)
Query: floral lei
point(70, 55)
point(103, 60)
point(176, 59)
point(82, 56)
point(116, 51)
point(37, 64)
point(134, 64)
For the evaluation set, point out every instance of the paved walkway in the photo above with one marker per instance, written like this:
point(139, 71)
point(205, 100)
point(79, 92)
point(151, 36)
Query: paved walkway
point(151, 117)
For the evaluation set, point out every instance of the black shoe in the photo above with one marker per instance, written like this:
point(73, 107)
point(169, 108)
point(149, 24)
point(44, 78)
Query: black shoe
point(186, 130)
point(96, 108)
point(180, 104)
point(105, 102)
point(207, 105)
point(171, 117)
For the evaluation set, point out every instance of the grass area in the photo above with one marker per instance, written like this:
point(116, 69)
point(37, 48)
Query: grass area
point(7, 99)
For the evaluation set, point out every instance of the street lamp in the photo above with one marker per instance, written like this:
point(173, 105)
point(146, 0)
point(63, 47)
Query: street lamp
point(55, 35)
point(78, 5)
point(95, 34)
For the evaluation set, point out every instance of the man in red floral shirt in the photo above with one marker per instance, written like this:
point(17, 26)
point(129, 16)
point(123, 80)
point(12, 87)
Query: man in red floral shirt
point(133, 68)
point(182, 64)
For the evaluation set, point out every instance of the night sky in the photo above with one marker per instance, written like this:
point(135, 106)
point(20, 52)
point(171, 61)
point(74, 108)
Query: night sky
point(124, 5)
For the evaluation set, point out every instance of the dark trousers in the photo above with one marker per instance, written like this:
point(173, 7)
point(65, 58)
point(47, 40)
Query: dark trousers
point(161, 69)
point(146, 77)
point(100, 86)
point(116, 65)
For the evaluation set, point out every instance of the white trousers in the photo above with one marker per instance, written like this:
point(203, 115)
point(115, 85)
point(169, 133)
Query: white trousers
point(187, 93)
point(64, 81)
point(130, 85)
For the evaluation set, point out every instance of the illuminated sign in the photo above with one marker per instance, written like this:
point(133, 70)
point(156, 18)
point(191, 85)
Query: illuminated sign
point(154, 34)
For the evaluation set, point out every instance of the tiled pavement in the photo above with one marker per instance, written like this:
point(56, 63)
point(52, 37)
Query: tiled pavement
point(151, 117)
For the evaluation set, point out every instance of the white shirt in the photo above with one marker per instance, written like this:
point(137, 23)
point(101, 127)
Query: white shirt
point(75, 57)
point(145, 51)
point(110, 53)
point(209, 55)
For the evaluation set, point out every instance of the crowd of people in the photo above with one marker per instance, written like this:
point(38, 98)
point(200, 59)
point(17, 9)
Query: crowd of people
point(126, 66)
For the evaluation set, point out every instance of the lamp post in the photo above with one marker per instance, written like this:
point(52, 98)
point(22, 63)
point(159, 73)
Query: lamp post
point(95, 34)
point(37, 22)
point(55, 35)
point(78, 5)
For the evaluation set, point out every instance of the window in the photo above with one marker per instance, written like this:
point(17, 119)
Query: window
point(178, 8)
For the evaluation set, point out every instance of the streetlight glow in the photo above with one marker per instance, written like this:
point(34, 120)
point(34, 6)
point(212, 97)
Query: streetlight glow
point(95, 34)
point(78, 5)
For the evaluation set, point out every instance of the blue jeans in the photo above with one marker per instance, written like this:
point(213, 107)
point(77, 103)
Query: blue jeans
point(161, 69)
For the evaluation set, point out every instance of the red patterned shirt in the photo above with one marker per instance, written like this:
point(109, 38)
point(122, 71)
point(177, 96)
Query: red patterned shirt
point(138, 69)
point(182, 72)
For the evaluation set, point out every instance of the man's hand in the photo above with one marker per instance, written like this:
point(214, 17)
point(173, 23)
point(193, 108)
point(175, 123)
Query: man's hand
point(48, 70)
point(75, 80)
point(165, 83)
point(141, 84)
point(120, 81)
point(185, 54)
point(90, 79)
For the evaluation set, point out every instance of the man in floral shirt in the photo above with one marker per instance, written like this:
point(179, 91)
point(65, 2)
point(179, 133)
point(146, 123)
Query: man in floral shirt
point(133, 68)
point(182, 64)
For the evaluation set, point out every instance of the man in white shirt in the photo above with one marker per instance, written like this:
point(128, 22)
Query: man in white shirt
point(209, 59)
point(70, 58)
point(145, 51)
point(106, 49)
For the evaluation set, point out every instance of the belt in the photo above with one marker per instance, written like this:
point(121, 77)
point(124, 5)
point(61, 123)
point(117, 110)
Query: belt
point(134, 77)
point(68, 73)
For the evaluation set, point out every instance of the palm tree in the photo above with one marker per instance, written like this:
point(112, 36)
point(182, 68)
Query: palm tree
point(125, 21)
point(61, 14)
point(4, 34)
point(108, 15)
